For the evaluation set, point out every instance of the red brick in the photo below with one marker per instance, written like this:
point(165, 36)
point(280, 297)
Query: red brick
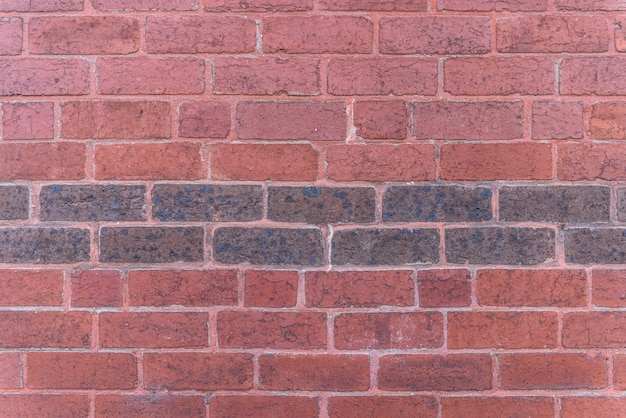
point(150, 76)
point(40, 5)
point(45, 329)
point(199, 371)
point(556, 288)
point(49, 406)
point(264, 406)
point(287, 330)
point(28, 120)
point(522, 161)
point(206, 119)
point(172, 161)
point(444, 288)
point(297, 162)
point(10, 372)
point(115, 119)
point(435, 372)
point(267, 76)
point(153, 405)
point(318, 34)
point(553, 34)
point(10, 35)
point(376, 5)
point(115, 5)
point(44, 161)
point(182, 287)
point(199, 34)
point(382, 76)
point(594, 330)
point(380, 162)
point(499, 76)
point(83, 35)
point(381, 120)
point(591, 162)
point(388, 330)
point(620, 33)
point(81, 371)
point(609, 288)
point(608, 121)
point(557, 120)
point(272, 289)
point(468, 120)
point(552, 371)
point(619, 371)
point(592, 407)
point(327, 372)
point(590, 5)
point(96, 288)
point(31, 287)
point(601, 76)
point(494, 5)
point(435, 35)
point(513, 407)
point(361, 289)
point(381, 406)
point(43, 77)
point(258, 5)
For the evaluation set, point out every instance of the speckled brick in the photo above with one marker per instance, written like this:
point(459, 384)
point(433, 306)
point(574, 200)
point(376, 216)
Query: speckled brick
point(44, 245)
point(595, 246)
point(14, 202)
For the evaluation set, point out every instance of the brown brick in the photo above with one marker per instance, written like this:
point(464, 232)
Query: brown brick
point(608, 120)
point(594, 330)
point(42, 161)
point(271, 288)
point(31, 287)
point(380, 406)
point(601, 76)
point(153, 405)
point(491, 406)
point(43, 77)
point(264, 406)
point(595, 246)
point(45, 329)
point(444, 288)
point(608, 288)
point(14, 202)
point(10, 36)
point(557, 120)
point(96, 288)
point(44, 245)
point(49, 406)
point(28, 120)
point(205, 119)
point(381, 119)
point(592, 407)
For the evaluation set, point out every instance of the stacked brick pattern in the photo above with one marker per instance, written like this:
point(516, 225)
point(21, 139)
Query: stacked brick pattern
point(312, 208)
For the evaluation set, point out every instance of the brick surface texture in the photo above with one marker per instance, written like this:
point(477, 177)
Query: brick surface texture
point(313, 208)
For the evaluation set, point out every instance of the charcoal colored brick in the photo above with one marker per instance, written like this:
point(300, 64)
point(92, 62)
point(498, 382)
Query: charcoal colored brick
point(387, 246)
point(595, 246)
point(44, 245)
point(271, 246)
point(498, 245)
point(322, 205)
point(213, 203)
point(13, 202)
point(436, 204)
point(151, 244)
point(621, 204)
point(107, 202)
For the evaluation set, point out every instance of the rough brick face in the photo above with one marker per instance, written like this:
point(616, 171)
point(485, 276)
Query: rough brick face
point(586, 245)
point(43, 77)
point(11, 36)
point(600, 76)
point(557, 120)
point(149, 405)
point(54, 406)
point(44, 245)
point(45, 329)
point(264, 406)
point(609, 288)
point(594, 329)
point(95, 288)
point(271, 289)
point(515, 407)
point(31, 287)
point(28, 120)
point(444, 288)
point(42, 161)
point(204, 119)
point(381, 120)
point(13, 202)
point(140, 5)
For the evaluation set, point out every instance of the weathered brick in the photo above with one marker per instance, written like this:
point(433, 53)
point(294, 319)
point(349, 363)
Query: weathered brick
point(431, 372)
point(206, 119)
point(621, 204)
point(10, 35)
point(182, 287)
point(272, 246)
point(592, 407)
point(10, 373)
point(81, 371)
point(590, 5)
point(44, 245)
point(594, 330)
point(96, 288)
point(601, 76)
point(318, 372)
point(14, 203)
point(264, 406)
point(556, 288)
point(200, 34)
point(619, 33)
point(272, 289)
point(444, 288)
point(435, 35)
point(499, 76)
point(406, 162)
point(468, 120)
point(360, 289)
point(259, 5)
point(520, 161)
point(381, 120)
point(45, 329)
point(83, 35)
point(608, 120)
point(493, 5)
point(28, 120)
point(366, 331)
point(552, 371)
point(382, 76)
point(49, 406)
point(502, 330)
point(154, 330)
point(379, 406)
point(115, 119)
point(436, 204)
point(513, 407)
point(150, 76)
point(322, 205)
point(557, 120)
point(608, 288)
point(619, 371)
point(31, 287)
point(575, 204)
point(199, 371)
point(140, 5)
point(318, 34)
point(43, 77)
point(280, 330)
point(595, 246)
point(376, 5)
point(267, 76)
point(107, 202)
point(552, 34)
point(151, 244)
point(591, 162)
point(41, 5)
point(42, 161)
point(153, 405)
point(213, 203)
point(389, 246)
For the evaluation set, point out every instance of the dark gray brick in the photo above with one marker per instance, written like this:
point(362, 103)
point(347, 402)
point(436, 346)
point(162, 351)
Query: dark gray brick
point(322, 205)
point(187, 202)
point(271, 246)
point(151, 244)
point(387, 246)
point(595, 246)
point(92, 202)
point(44, 245)
point(495, 245)
point(436, 204)
point(13, 202)
point(621, 204)
point(555, 203)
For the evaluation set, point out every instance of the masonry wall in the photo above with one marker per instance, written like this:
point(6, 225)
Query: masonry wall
point(312, 208)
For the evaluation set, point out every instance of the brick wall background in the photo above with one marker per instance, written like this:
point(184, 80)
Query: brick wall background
point(312, 208)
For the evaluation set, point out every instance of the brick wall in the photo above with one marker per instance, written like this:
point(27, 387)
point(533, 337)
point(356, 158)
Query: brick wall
point(312, 208)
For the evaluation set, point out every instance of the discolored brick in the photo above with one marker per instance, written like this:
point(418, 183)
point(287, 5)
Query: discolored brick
point(600, 76)
point(608, 288)
point(591, 161)
point(14, 202)
point(608, 120)
point(594, 330)
point(595, 246)
point(381, 119)
point(43, 77)
point(376, 5)
point(141, 5)
point(557, 120)
point(258, 6)
point(444, 288)
point(152, 405)
point(28, 120)
point(44, 245)
point(270, 288)
point(204, 119)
